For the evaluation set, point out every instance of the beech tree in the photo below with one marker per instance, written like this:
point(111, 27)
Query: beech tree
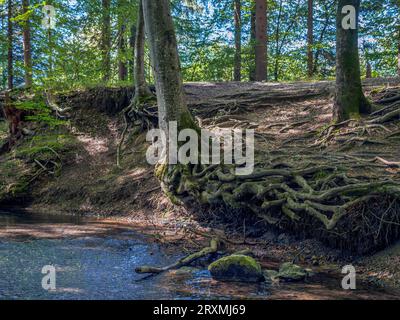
point(349, 98)
point(167, 70)
point(141, 88)
point(142, 95)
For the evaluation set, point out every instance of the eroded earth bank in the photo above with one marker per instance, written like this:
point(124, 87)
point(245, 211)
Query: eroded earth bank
point(69, 168)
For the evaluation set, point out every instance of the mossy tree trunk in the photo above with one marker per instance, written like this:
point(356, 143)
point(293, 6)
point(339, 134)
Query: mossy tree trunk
point(165, 60)
point(350, 101)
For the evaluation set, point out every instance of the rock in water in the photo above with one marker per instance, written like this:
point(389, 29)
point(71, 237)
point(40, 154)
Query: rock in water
point(291, 272)
point(237, 267)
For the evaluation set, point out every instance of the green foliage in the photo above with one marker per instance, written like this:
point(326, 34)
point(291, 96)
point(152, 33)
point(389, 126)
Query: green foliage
point(3, 132)
point(69, 56)
point(44, 146)
point(39, 111)
point(14, 178)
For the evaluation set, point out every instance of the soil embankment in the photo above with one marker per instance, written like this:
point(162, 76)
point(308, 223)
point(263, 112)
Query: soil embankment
point(87, 181)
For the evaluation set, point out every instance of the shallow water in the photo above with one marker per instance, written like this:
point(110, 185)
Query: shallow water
point(95, 259)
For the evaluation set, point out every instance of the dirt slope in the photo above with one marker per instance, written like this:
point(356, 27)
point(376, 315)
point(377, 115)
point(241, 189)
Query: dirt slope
point(286, 116)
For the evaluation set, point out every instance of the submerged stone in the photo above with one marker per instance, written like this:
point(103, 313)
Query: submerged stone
point(291, 272)
point(237, 267)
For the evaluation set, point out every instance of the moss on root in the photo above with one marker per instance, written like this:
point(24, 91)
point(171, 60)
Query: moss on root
point(321, 202)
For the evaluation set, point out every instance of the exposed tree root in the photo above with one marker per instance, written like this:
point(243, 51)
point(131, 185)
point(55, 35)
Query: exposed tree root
point(142, 115)
point(346, 199)
point(213, 248)
point(343, 189)
point(51, 103)
point(354, 129)
point(320, 197)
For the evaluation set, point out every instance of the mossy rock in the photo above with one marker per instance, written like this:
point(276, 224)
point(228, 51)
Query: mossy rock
point(291, 272)
point(236, 268)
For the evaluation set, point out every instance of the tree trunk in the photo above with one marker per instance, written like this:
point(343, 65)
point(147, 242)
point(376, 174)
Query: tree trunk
point(252, 71)
point(122, 67)
point(310, 39)
point(398, 51)
point(132, 44)
point(261, 40)
point(321, 37)
point(141, 88)
point(14, 118)
point(350, 100)
point(277, 39)
point(165, 59)
point(27, 46)
point(238, 40)
point(106, 40)
point(10, 58)
point(368, 74)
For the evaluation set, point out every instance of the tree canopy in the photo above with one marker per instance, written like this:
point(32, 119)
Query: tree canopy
point(206, 37)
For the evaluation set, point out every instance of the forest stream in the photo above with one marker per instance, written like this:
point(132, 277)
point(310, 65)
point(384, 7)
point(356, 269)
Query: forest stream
point(96, 259)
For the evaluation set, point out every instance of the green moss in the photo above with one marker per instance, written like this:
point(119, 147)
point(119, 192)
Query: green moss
point(160, 171)
point(14, 178)
point(321, 174)
point(186, 122)
point(3, 132)
point(173, 198)
point(46, 147)
point(236, 267)
point(239, 259)
point(291, 272)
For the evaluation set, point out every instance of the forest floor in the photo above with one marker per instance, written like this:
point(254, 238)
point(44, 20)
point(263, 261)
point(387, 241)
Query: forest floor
point(285, 117)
